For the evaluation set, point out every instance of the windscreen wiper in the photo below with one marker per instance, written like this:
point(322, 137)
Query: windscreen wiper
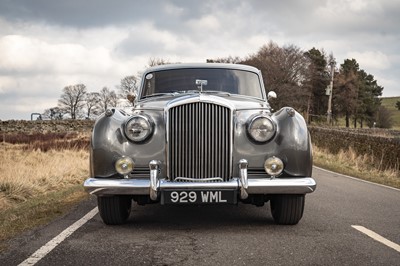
point(158, 94)
point(218, 92)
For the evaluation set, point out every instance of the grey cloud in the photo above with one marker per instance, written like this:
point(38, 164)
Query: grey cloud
point(138, 45)
point(181, 30)
point(97, 13)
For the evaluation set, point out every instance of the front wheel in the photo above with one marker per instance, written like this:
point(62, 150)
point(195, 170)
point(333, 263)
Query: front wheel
point(287, 209)
point(115, 209)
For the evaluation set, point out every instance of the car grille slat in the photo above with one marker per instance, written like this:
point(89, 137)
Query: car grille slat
point(199, 141)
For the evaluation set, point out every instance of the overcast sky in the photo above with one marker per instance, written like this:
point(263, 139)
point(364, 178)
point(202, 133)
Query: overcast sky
point(46, 45)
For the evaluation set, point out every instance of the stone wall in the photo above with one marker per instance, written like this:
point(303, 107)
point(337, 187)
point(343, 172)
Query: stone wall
point(385, 150)
point(45, 126)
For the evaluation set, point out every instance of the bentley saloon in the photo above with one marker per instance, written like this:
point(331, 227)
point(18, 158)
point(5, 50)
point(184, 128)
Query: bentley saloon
point(201, 134)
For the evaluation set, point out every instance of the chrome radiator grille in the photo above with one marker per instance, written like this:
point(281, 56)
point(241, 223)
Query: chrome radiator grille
point(199, 141)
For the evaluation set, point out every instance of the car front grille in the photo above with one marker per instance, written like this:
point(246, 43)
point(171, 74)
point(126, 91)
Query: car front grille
point(199, 141)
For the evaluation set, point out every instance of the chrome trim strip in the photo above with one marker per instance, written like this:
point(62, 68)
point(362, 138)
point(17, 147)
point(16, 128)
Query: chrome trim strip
point(219, 179)
point(232, 184)
point(101, 186)
point(282, 186)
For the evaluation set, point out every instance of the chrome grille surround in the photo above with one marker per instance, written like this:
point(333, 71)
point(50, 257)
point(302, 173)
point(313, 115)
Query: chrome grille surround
point(199, 136)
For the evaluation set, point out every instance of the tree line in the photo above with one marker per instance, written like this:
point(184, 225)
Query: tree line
point(76, 102)
point(300, 78)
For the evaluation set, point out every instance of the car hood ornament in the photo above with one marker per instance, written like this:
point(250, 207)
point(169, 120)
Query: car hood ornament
point(200, 83)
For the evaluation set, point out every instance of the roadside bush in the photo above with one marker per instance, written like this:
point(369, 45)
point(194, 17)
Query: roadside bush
point(48, 141)
point(384, 151)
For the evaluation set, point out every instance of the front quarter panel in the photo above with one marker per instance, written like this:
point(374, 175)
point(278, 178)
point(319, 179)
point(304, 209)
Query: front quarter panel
point(291, 143)
point(108, 143)
point(294, 142)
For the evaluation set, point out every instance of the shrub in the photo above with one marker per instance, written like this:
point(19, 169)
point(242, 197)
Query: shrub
point(385, 151)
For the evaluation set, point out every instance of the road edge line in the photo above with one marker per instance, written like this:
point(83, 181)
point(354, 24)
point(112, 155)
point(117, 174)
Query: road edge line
point(355, 178)
point(49, 246)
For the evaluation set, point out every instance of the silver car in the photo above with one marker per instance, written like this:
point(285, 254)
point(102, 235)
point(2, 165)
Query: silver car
point(201, 134)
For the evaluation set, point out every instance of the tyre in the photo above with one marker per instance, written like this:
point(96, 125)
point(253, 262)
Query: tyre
point(115, 209)
point(287, 209)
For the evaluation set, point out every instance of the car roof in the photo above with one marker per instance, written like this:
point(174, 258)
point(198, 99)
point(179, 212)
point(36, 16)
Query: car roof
point(202, 65)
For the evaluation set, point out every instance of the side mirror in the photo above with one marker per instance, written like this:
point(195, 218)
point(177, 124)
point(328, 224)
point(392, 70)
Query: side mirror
point(271, 95)
point(132, 97)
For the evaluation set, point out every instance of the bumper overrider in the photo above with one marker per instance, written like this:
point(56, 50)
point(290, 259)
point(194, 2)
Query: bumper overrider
point(245, 186)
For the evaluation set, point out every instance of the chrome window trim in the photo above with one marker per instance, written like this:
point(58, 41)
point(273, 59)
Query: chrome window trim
point(208, 66)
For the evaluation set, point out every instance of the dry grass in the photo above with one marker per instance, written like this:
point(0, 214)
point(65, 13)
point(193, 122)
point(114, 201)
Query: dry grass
point(349, 163)
point(41, 177)
point(26, 174)
point(48, 141)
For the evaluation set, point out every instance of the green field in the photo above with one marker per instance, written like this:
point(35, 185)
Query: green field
point(390, 104)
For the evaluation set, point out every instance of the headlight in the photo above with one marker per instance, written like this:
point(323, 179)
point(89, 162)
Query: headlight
point(124, 165)
point(138, 128)
point(273, 166)
point(261, 128)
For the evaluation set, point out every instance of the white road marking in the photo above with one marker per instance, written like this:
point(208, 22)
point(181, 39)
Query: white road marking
point(49, 246)
point(355, 178)
point(377, 237)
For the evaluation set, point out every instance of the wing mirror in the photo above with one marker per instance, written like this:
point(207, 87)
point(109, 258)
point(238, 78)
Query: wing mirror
point(132, 97)
point(271, 95)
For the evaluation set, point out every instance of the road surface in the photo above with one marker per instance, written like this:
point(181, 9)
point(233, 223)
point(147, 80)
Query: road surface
point(335, 230)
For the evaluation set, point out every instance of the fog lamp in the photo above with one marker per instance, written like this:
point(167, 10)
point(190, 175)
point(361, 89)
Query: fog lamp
point(124, 165)
point(273, 166)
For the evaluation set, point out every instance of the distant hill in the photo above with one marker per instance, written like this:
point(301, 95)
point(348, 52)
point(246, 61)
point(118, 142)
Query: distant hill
point(390, 104)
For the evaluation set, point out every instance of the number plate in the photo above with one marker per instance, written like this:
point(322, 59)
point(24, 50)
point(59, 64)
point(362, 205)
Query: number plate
point(198, 196)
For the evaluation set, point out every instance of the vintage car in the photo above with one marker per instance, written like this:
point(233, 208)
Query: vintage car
point(201, 134)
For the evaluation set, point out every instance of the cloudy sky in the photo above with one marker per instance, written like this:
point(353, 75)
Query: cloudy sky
point(46, 45)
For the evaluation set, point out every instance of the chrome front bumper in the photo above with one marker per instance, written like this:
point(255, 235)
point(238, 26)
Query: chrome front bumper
point(151, 187)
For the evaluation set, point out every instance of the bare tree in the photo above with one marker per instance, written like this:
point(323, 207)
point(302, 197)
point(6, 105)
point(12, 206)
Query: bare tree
point(92, 101)
point(228, 60)
point(129, 85)
point(73, 99)
point(284, 71)
point(54, 113)
point(107, 99)
point(345, 93)
point(156, 61)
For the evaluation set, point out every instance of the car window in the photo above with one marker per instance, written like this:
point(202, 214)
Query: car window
point(217, 80)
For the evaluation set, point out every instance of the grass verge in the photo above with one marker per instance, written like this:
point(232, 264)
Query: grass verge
point(38, 185)
point(349, 163)
point(38, 211)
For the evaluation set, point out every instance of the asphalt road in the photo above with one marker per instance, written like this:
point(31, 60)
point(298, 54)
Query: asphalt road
point(231, 235)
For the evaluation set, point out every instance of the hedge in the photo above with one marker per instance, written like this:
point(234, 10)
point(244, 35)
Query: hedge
point(385, 151)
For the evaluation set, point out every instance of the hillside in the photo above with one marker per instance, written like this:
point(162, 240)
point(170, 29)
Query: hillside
point(390, 104)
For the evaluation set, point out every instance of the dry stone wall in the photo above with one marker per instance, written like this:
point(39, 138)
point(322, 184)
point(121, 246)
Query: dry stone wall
point(45, 126)
point(384, 150)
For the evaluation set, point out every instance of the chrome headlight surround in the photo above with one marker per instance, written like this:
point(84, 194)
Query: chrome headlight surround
point(261, 128)
point(138, 128)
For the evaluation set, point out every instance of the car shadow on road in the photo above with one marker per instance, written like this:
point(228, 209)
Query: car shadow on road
point(199, 216)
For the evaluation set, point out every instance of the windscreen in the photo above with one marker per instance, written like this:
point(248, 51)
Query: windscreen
point(202, 79)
